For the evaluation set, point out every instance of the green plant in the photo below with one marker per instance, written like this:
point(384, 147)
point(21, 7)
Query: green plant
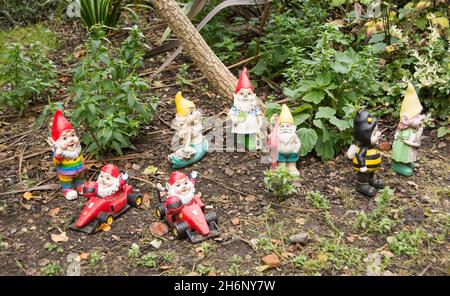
point(319, 201)
point(379, 220)
point(279, 182)
point(94, 258)
point(265, 244)
point(110, 100)
point(168, 257)
point(236, 261)
point(53, 247)
point(148, 260)
point(134, 251)
point(29, 35)
point(52, 268)
point(26, 76)
point(3, 206)
point(299, 261)
point(406, 242)
point(3, 244)
point(100, 12)
point(183, 76)
point(205, 270)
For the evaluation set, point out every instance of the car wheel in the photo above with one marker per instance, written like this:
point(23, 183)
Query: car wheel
point(180, 229)
point(104, 217)
point(134, 199)
point(160, 212)
point(210, 217)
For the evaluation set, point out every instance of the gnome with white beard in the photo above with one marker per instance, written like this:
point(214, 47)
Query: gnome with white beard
point(188, 123)
point(245, 115)
point(286, 141)
point(67, 156)
point(110, 181)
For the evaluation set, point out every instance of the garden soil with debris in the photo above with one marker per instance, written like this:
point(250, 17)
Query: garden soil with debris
point(252, 223)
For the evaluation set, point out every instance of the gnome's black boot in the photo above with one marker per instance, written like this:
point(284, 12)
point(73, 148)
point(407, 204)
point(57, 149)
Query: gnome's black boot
point(363, 186)
point(375, 181)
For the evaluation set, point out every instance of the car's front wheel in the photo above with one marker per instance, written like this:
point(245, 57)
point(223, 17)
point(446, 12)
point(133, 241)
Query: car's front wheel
point(104, 217)
point(180, 230)
point(134, 199)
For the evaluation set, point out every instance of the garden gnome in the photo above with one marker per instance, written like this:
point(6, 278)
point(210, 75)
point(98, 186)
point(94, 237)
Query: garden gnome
point(365, 155)
point(286, 142)
point(245, 115)
point(67, 156)
point(179, 190)
point(408, 134)
point(188, 122)
point(110, 181)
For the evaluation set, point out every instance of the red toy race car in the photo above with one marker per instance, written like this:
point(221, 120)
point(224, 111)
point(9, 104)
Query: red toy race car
point(190, 220)
point(100, 210)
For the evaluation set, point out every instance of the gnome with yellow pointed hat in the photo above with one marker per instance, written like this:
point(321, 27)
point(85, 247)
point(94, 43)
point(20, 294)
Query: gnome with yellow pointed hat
point(408, 134)
point(288, 143)
point(188, 125)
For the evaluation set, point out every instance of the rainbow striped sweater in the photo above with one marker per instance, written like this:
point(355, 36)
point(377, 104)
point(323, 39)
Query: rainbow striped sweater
point(68, 167)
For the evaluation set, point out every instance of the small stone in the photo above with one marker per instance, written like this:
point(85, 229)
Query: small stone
point(250, 198)
point(229, 172)
point(299, 238)
point(156, 243)
point(136, 167)
point(248, 257)
point(271, 260)
point(235, 221)
point(115, 237)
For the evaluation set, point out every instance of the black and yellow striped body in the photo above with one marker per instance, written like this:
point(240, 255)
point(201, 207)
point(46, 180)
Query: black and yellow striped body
point(372, 158)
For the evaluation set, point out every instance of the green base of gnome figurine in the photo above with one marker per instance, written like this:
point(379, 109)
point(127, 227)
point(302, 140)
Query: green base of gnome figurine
point(247, 140)
point(408, 134)
point(188, 122)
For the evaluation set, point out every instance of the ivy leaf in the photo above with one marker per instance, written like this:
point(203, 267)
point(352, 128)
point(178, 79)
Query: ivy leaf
point(339, 123)
point(308, 139)
point(325, 112)
point(315, 96)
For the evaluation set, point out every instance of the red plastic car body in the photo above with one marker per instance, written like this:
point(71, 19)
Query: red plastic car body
point(100, 210)
point(191, 221)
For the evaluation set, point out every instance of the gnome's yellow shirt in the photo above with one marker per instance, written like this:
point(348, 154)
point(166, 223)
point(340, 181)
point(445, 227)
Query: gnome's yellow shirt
point(371, 160)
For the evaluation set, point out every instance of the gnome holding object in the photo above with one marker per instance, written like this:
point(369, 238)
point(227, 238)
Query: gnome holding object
point(188, 122)
point(366, 157)
point(67, 156)
point(285, 140)
point(245, 115)
point(408, 134)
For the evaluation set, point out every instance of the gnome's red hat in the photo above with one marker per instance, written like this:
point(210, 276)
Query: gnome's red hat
point(175, 176)
point(112, 170)
point(244, 81)
point(60, 124)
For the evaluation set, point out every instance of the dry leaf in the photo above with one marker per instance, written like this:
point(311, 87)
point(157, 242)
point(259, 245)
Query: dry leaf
point(272, 260)
point(105, 227)
point(235, 221)
point(411, 183)
point(84, 256)
point(62, 237)
point(262, 268)
point(145, 201)
point(150, 170)
point(28, 195)
point(54, 212)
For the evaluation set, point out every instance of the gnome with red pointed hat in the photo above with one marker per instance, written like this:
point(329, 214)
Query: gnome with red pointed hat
point(67, 156)
point(245, 115)
point(179, 191)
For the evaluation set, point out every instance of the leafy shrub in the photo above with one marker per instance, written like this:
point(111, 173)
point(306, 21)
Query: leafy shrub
point(319, 201)
point(110, 100)
point(100, 12)
point(26, 76)
point(279, 182)
point(406, 242)
point(51, 269)
point(148, 260)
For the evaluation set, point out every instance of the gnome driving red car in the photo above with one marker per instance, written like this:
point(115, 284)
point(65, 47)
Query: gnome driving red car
point(109, 182)
point(184, 211)
point(67, 156)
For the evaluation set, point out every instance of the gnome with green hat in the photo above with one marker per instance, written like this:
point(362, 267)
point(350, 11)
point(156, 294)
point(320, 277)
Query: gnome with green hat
point(408, 134)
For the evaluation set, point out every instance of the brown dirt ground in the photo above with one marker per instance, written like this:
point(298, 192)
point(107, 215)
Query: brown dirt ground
point(26, 226)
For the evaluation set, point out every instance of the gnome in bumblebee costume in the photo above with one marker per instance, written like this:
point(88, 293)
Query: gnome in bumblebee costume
point(366, 157)
point(188, 123)
point(245, 114)
point(408, 134)
point(67, 156)
point(284, 141)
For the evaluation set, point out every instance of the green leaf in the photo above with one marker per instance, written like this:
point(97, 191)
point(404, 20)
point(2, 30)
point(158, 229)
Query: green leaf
point(443, 131)
point(339, 123)
point(325, 112)
point(308, 139)
point(376, 38)
point(108, 134)
point(301, 108)
point(118, 136)
point(92, 108)
point(291, 93)
point(324, 78)
point(339, 68)
point(300, 118)
point(315, 96)
point(324, 149)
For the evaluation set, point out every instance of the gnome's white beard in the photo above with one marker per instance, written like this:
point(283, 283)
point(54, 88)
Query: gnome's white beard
point(104, 191)
point(186, 198)
point(72, 154)
point(244, 106)
point(287, 143)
